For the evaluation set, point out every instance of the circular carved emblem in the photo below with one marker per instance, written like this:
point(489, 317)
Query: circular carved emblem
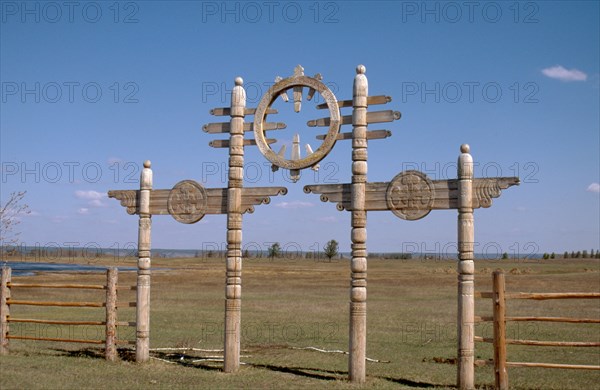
point(410, 195)
point(267, 100)
point(187, 201)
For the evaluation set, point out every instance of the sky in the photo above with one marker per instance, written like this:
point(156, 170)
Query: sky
point(89, 90)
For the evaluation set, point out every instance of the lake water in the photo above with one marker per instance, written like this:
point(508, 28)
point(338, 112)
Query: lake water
point(27, 269)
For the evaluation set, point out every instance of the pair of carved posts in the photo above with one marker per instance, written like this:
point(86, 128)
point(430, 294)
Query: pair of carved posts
point(409, 195)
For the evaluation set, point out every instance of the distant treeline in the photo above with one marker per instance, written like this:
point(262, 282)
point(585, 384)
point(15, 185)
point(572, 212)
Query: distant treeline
point(51, 252)
point(584, 254)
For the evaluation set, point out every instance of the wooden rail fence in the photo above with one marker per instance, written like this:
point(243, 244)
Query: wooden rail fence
point(110, 304)
point(499, 318)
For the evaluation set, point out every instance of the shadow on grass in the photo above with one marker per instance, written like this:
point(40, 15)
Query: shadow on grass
point(408, 382)
point(304, 371)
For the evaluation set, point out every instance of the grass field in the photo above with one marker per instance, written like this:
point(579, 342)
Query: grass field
point(290, 304)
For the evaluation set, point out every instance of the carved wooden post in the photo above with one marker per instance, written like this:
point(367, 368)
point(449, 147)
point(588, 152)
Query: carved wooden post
point(110, 351)
point(500, 374)
point(233, 289)
point(143, 278)
point(358, 289)
point(466, 270)
point(4, 308)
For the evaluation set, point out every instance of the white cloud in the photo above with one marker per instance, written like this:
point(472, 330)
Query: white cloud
point(294, 205)
point(94, 198)
point(89, 195)
point(560, 73)
point(83, 211)
point(594, 187)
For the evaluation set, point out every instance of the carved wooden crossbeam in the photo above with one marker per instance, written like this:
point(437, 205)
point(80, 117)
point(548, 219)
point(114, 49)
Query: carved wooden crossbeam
point(225, 127)
point(188, 201)
point(371, 101)
point(373, 134)
point(224, 143)
point(372, 117)
point(412, 196)
point(226, 111)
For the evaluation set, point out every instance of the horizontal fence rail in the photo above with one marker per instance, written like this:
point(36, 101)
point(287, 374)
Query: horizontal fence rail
point(499, 297)
point(110, 304)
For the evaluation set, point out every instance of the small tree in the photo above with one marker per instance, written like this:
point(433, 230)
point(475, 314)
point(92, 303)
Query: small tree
point(246, 254)
point(578, 254)
point(584, 254)
point(10, 214)
point(274, 250)
point(504, 256)
point(566, 255)
point(546, 256)
point(331, 249)
point(552, 255)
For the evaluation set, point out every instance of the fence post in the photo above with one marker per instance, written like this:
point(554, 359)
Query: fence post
point(110, 351)
point(499, 301)
point(4, 309)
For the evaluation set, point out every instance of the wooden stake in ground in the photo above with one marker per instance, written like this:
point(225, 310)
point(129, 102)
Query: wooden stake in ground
point(142, 350)
point(110, 351)
point(358, 288)
point(4, 308)
point(500, 374)
point(233, 289)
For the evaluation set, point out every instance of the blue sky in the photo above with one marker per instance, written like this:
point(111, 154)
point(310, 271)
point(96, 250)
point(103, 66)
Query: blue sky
point(92, 89)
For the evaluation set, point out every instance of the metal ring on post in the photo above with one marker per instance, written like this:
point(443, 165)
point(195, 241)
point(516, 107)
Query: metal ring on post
point(266, 102)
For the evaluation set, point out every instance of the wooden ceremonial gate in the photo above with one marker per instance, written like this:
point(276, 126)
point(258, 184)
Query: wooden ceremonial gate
point(410, 195)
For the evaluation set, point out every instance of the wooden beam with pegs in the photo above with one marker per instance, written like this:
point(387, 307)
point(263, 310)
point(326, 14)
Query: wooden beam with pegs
point(371, 101)
point(373, 134)
point(372, 117)
point(225, 127)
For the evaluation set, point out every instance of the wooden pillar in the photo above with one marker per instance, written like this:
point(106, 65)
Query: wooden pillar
point(358, 287)
point(233, 289)
point(110, 350)
point(500, 374)
point(466, 272)
point(143, 277)
point(4, 308)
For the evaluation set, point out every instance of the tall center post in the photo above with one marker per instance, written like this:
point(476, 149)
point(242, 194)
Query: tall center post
point(233, 288)
point(358, 288)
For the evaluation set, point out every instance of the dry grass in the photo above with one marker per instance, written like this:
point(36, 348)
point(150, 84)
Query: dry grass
point(300, 303)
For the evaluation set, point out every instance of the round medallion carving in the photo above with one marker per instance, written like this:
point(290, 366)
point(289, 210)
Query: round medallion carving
point(187, 201)
point(410, 195)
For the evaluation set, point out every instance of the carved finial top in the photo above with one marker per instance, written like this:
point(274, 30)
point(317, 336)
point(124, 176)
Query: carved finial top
point(299, 70)
point(465, 148)
point(147, 164)
point(239, 81)
point(360, 69)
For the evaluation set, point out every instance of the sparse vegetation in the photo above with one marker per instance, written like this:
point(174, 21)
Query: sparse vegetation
point(331, 249)
point(274, 250)
point(298, 303)
point(10, 216)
